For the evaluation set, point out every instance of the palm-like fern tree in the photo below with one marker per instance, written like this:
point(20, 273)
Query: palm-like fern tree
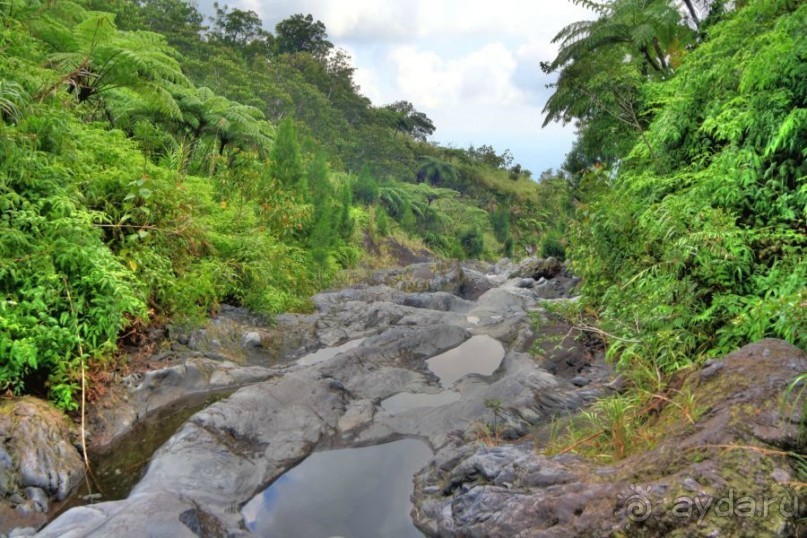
point(436, 171)
point(647, 27)
point(203, 113)
point(96, 57)
point(13, 100)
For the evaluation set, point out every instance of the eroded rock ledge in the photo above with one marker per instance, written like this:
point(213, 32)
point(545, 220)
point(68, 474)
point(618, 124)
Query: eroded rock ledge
point(711, 478)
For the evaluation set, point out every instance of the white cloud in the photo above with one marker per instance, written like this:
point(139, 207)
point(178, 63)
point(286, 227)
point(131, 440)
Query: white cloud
point(481, 77)
point(394, 20)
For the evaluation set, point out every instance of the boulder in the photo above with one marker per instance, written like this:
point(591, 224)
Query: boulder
point(38, 463)
point(538, 268)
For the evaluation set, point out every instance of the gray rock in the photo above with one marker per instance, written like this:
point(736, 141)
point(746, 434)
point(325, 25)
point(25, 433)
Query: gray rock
point(514, 491)
point(474, 284)
point(537, 268)
point(526, 283)
point(248, 440)
point(690, 484)
point(38, 499)
point(35, 441)
point(251, 339)
point(580, 381)
point(358, 414)
point(144, 394)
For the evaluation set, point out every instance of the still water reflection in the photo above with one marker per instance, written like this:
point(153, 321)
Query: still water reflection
point(479, 354)
point(351, 492)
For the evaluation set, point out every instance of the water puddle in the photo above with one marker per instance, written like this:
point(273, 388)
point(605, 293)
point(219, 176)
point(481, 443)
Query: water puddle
point(355, 492)
point(479, 354)
point(404, 401)
point(326, 353)
point(117, 469)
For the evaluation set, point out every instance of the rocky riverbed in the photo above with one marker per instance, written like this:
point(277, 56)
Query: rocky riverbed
point(361, 371)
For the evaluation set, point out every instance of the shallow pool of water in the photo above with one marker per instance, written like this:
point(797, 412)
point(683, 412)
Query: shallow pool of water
point(351, 492)
point(479, 354)
point(116, 470)
point(404, 401)
point(326, 353)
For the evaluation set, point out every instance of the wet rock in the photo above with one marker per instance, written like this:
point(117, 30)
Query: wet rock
point(217, 460)
point(226, 453)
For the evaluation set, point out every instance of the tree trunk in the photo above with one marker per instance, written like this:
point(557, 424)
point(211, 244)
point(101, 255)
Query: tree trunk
point(660, 54)
point(693, 13)
point(650, 60)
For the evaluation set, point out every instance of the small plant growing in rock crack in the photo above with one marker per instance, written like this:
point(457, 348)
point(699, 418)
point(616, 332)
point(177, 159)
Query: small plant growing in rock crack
point(495, 405)
point(486, 433)
point(490, 432)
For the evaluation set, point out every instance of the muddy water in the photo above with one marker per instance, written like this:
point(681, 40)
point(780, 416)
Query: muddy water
point(351, 492)
point(478, 355)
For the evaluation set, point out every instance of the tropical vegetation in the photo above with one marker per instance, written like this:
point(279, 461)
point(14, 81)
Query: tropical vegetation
point(156, 164)
point(690, 178)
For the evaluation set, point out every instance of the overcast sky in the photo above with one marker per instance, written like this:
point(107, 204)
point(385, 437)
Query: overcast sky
point(470, 65)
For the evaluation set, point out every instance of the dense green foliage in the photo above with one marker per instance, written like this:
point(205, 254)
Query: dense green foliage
point(153, 167)
point(691, 238)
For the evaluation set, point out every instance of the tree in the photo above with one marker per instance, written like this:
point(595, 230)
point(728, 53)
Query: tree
point(706, 234)
point(300, 33)
point(407, 120)
point(286, 165)
point(647, 27)
point(602, 65)
point(472, 243)
point(365, 188)
point(486, 154)
point(236, 27)
point(344, 223)
point(179, 20)
point(436, 171)
point(325, 221)
point(500, 220)
point(96, 57)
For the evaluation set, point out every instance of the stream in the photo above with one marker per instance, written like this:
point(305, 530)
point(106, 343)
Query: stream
point(327, 444)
